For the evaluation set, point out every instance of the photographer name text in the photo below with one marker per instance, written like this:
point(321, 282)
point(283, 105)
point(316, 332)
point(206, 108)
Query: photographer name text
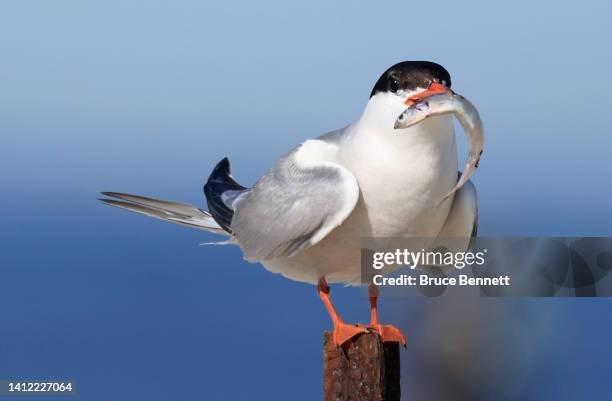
point(425, 258)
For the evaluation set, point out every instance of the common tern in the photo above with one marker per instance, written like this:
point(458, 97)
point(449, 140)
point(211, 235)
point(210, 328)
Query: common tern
point(306, 216)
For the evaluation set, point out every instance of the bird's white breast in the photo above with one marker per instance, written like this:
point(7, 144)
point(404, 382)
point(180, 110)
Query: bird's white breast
point(402, 174)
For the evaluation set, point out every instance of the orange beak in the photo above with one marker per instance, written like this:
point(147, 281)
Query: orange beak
point(433, 89)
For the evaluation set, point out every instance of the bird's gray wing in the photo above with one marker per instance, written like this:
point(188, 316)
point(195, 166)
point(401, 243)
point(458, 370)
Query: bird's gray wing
point(461, 225)
point(296, 204)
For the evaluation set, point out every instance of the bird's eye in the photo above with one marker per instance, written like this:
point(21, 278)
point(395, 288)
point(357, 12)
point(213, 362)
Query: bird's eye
point(393, 86)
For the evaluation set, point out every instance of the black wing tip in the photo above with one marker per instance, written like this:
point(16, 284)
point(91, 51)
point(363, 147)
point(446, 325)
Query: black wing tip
point(221, 169)
point(221, 174)
point(220, 181)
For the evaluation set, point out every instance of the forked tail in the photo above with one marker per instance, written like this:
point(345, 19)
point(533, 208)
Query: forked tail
point(174, 212)
point(222, 193)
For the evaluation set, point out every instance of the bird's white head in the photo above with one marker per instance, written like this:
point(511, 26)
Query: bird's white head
point(400, 86)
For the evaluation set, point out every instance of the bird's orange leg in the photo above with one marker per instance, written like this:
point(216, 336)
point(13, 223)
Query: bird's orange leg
point(342, 331)
point(386, 331)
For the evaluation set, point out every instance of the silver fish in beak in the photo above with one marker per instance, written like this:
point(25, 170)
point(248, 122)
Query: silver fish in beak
point(447, 103)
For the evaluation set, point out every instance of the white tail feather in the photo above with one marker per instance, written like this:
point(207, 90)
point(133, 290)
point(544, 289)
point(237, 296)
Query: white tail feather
point(230, 241)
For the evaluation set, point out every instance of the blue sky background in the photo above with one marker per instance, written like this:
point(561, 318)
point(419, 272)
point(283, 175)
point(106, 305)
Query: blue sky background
point(146, 96)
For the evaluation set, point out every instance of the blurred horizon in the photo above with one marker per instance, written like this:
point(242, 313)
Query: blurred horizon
point(146, 97)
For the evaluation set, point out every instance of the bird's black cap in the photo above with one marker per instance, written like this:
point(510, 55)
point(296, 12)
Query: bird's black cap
point(409, 75)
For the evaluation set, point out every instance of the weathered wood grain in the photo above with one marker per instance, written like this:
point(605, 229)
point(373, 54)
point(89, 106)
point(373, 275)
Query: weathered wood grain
point(364, 369)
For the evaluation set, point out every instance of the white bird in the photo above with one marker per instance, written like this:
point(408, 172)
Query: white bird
point(306, 216)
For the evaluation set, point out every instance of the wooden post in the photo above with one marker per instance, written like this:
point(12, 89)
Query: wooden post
point(364, 369)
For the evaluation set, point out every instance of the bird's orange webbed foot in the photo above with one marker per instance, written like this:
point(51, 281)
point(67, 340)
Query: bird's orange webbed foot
point(387, 332)
point(343, 331)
